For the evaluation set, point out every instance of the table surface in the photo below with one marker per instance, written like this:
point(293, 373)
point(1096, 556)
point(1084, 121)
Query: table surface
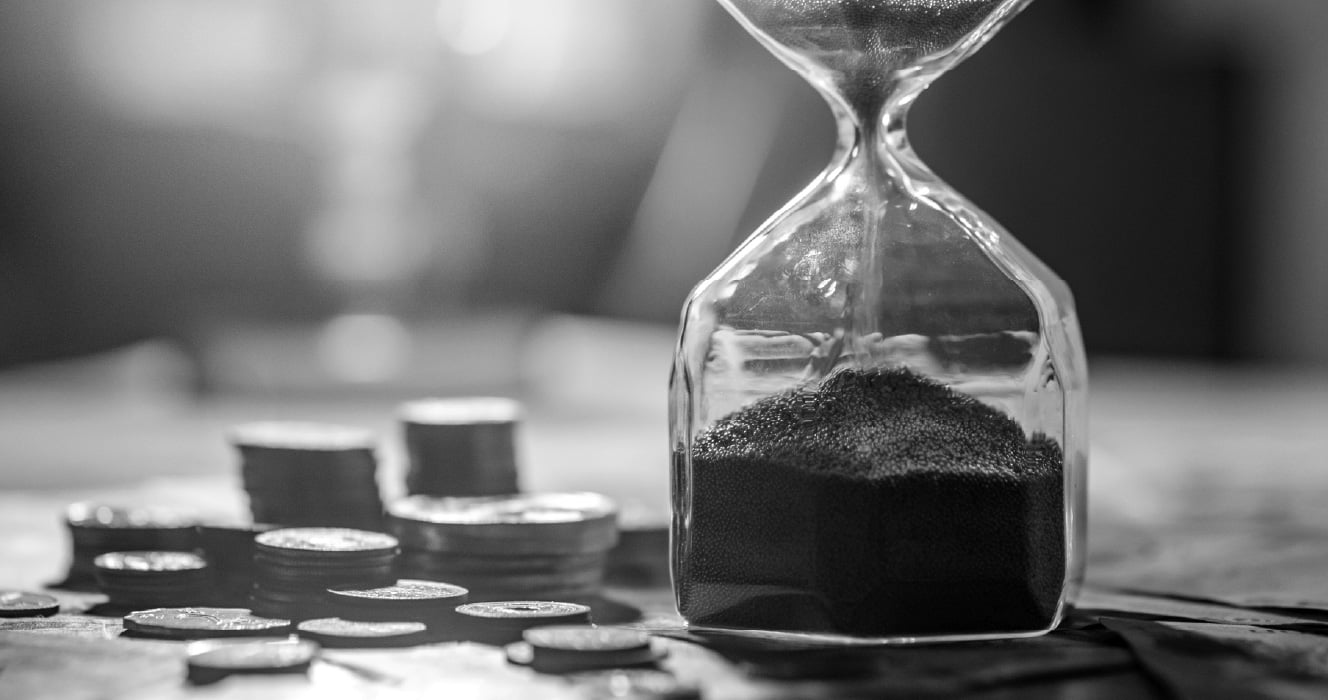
point(1207, 484)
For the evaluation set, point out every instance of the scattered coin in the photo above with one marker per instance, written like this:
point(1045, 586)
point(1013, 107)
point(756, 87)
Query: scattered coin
point(23, 604)
point(212, 660)
point(198, 623)
point(325, 541)
point(337, 632)
point(502, 622)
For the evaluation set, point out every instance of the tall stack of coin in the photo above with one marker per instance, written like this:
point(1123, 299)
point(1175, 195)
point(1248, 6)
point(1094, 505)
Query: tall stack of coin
point(299, 474)
point(229, 550)
point(152, 579)
point(461, 446)
point(96, 529)
point(550, 546)
point(295, 567)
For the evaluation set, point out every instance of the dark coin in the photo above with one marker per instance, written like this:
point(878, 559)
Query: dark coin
point(149, 562)
point(325, 541)
point(22, 604)
point(213, 660)
point(196, 623)
point(295, 435)
point(336, 632)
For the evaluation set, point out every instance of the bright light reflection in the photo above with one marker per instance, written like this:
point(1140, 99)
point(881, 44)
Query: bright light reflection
point(364, 348)
point(474, 27)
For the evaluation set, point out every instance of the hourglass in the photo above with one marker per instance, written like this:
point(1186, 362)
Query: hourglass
point(878, 400)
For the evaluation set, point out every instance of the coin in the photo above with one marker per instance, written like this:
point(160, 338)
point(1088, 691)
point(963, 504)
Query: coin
point(301, 435)
point(325, 541)
point(99, 515)
point(545, 610)
point(586, 638)
point(150, 561)
point(23, 604)
point(537, 524)
point(337, 632)
point(194, 623)
point(212, 660)
point(568, 648)
point(408, 591)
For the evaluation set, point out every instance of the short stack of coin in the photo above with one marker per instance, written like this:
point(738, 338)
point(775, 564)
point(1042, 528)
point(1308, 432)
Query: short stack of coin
point(95, 529)
point(550, 546)
point(229, 550)
point(309, 474)
point(295, 567)
point(137, 580)
point(641, 557)
point(574, 648)
point(461, 446)
point(408, 600)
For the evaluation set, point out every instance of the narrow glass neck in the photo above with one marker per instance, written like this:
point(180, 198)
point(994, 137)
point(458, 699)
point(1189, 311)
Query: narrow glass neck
point(873, 134)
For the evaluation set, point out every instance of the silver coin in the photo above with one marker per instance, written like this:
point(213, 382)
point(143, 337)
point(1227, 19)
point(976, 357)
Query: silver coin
point(525, 610)
point(100, 515)
point(326, 539)
point(586, 638)
point(337, 627)
point(23, 604)
point(190, 622)
point(149, 561)
point(520, 509)
point(264, 655)
point(406, 590)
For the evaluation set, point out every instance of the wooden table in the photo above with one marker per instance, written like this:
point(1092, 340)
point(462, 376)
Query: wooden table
point(1207, 483)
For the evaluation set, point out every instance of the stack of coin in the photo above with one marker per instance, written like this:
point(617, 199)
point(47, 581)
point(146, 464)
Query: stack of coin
point(152, 579)
point(461, 446)
point(309, 474)
point(229, 550)
point(641, 557)
point(550, 546)
point(408, 600)
point(295, 567)
point(503, 622)
point(95, 529)
point(573, 648)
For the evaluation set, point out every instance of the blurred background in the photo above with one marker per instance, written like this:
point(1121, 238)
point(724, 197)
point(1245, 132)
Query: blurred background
point(396, 198)
point(176, 167)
